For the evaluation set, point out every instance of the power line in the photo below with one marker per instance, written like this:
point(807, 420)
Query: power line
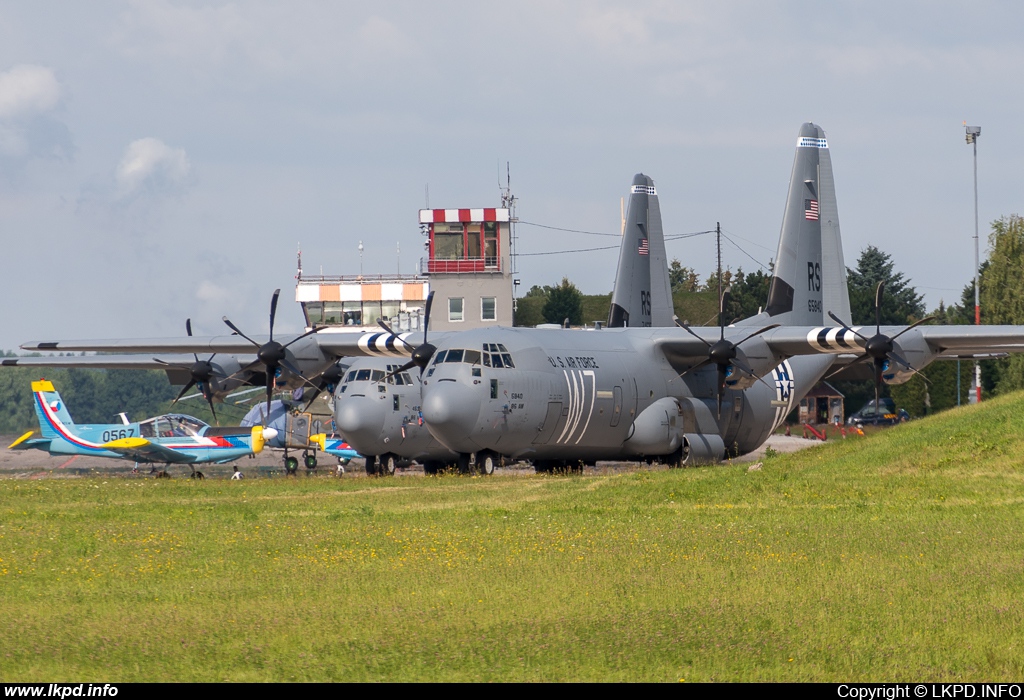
point(568, 230)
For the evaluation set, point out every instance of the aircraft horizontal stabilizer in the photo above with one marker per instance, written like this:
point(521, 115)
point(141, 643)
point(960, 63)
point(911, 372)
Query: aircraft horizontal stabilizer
point(23, 443)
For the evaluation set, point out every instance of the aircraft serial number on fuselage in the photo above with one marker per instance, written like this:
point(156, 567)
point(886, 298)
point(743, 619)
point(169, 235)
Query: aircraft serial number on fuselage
point(573, 362)
point(109, 435)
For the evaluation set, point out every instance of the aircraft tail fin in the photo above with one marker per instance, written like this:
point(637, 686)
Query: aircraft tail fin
point(642, 295)
point(50, 409)
point(810, 276)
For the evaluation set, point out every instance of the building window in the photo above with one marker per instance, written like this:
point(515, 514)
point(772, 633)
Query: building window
point(455, 309)
point(487, 309)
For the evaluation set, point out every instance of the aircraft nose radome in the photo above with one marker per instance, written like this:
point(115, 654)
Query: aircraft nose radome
point(360, 420)
point(450, 408)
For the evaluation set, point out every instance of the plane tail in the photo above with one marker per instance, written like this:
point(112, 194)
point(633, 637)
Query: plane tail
point(642, 295)
point(50, 409)
point(810, 276)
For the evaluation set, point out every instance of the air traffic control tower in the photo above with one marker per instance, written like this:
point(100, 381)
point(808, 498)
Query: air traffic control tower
point(468, 267)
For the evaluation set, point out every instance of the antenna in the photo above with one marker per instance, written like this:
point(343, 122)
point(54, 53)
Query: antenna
point(426, 195)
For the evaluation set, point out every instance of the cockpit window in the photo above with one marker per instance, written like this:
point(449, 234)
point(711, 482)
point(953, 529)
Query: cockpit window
point(497, 355)
point(363, 375)
point(454, 356)
point(351, 376)
point(439, 358)
point(472, 357)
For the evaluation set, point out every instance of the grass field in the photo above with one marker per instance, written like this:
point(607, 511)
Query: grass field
point(895, 557)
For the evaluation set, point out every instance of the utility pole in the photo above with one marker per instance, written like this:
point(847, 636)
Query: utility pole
point(973, 132)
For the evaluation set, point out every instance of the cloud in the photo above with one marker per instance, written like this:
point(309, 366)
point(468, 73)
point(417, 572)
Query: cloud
point(27, 91)
point(149, 163)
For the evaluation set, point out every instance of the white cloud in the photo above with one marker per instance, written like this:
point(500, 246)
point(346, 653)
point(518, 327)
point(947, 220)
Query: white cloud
point(212, 293)
point(27, 90)
point(150, 162)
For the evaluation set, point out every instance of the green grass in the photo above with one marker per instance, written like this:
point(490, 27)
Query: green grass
point(893, 557)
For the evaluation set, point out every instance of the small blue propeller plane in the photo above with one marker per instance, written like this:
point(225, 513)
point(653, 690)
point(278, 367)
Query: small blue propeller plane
point(167, 439)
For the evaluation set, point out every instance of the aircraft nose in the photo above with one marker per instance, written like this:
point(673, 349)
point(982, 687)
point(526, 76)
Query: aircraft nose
point(451, 410)
point(360, 420)
point(269, 434)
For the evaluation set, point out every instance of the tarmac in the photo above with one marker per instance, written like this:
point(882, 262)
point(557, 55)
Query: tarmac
point(33, 464)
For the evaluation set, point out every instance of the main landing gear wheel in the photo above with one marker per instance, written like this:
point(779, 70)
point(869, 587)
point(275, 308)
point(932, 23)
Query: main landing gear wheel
point(310, 460)
point(371, 465)
point(388, 464)
point(486, 462)
point(291, 465)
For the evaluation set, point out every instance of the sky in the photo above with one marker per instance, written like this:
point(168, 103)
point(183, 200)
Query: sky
point(165, 160)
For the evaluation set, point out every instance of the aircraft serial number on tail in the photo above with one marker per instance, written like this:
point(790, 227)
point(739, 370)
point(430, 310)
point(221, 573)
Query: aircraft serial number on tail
point(573, 362)
point(814, 306)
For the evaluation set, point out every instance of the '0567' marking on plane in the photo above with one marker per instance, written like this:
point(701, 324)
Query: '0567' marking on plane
point(573, 362)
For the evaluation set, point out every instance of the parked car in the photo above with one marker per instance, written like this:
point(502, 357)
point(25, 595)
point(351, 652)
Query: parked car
point(870, 415)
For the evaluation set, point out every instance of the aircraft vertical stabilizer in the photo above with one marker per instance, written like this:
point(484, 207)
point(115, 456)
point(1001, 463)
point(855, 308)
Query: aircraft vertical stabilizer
point(834, 290)
point(49, 406)
point(795, 297)
point(642, 295)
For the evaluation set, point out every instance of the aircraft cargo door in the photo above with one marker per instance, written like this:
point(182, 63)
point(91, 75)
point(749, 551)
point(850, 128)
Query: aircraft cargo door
point(551, 420)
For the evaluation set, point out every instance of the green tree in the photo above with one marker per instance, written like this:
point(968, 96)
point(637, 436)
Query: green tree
point(1002, 295)
point(901, 303)
point(682, 279)
point(564, 302)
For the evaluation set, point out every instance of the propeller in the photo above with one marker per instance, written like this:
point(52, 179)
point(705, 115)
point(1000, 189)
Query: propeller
point(421, 354)
point(722, 353)
point(272, 354)
point(200, 374)
point(328, 379)
point(879, 348)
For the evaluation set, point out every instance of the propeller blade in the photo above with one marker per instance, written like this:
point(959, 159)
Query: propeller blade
point(878, 307)
point(216, 420)
point(312, 398)
point(233, 327)
point(188, 330)
point(407, 366)
point(309, 332)
point(862, 358)
point(721, 389)
point(846, 327)
point(273, 311)
point(170, 364)
point(691, 332)
point(191, 383)
point(397, 337)
point(426, 316)
point(912, 326)
point(702, 363)
point(752, 335)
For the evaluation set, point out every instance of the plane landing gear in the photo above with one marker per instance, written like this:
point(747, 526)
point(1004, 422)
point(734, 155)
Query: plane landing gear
point(388, 464)
point(310, 460)
point(486, 462)
point(291, 465)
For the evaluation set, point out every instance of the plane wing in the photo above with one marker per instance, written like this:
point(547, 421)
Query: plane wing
point(98, 361)
point(331, 343)
point(142, 450)
point(946, 341)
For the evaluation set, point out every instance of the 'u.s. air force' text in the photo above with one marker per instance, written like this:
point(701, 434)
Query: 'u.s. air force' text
point(573, 362)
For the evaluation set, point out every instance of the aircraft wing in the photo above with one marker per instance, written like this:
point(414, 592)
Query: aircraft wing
point(142, 450)
point(331, 343)
point(948, 341)
point(98, 361)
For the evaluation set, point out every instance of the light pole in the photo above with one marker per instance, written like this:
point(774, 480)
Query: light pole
point(973, 132)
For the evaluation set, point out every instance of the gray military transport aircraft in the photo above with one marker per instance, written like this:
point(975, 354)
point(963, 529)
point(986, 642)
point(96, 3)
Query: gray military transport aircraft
point(682, 395)
point(377, 403)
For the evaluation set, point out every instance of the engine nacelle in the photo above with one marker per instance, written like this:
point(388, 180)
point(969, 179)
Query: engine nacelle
point(915, 350)
point(754, 354)
point(702, 449)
